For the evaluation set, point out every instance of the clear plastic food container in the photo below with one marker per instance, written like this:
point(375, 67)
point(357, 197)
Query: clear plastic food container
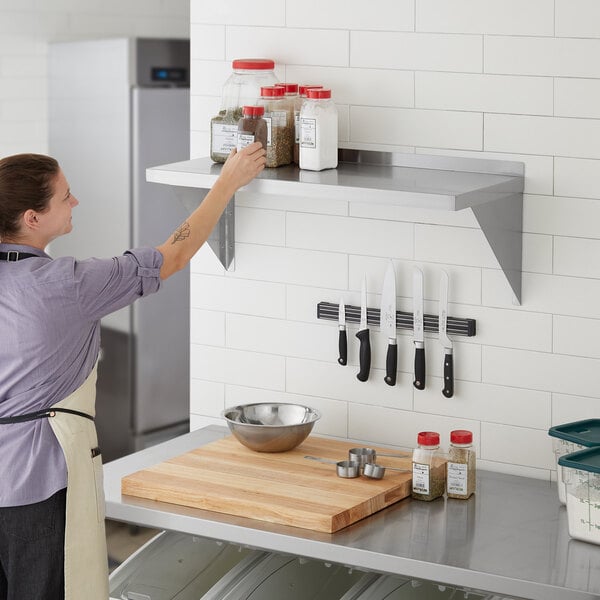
point(178, 566)
point(570, 437)
point(285, 578)
point(390, 587)
point(581, 475)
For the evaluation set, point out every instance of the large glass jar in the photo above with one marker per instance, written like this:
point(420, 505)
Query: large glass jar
point(241, 88)
point(279, 115)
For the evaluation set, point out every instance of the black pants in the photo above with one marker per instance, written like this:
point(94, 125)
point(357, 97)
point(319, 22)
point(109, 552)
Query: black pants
point(32, 539)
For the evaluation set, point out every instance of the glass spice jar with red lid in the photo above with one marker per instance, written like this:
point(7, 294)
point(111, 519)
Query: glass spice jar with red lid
point(293, 95)
point(279, 115)
point(428, 467)
point(318, 131)
point(461, 469)
point(252, 127)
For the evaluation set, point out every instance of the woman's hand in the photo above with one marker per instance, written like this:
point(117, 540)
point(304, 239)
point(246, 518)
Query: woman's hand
point(242, 167)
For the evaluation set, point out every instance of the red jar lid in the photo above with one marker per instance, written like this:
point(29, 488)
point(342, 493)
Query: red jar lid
point(461, 436)
point(254, 111)
point(253, 64)
point(317, 94)
point(303, 88)
point(271, 91)
point(428, 438)
point(290, 88)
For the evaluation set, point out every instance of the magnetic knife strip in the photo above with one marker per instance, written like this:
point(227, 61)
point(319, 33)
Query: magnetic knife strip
point(404, 320)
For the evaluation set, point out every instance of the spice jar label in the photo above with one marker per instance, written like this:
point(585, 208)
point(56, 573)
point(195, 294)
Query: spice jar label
point(457, 478)
point(268, 120)
point(224, 138)
point(244, 139)
point(308, 133)
point(420, 478)
point(279, 118)
point(297, 126)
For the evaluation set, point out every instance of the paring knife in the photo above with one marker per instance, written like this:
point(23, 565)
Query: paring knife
point(363, 336)
point(418, 337)
point(343, 340)
point(388, 323)
point(448, 390)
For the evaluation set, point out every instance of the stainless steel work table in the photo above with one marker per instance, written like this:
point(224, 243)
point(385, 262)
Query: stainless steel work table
point(510, 538)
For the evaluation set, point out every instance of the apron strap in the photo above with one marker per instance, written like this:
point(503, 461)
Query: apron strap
point(15, 255)
point(42, 414)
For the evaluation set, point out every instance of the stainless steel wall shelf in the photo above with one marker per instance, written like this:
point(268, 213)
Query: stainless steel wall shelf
point(492, 189)
point(404, 320)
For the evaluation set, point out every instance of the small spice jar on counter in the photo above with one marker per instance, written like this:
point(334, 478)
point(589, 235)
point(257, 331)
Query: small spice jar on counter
point(252, 127)
point(428, 467)
point(279, 115)
point(241, 88)
point(461, 465)
point(318, 131)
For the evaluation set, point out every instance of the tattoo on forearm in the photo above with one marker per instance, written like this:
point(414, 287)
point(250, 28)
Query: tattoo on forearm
point(182, 232)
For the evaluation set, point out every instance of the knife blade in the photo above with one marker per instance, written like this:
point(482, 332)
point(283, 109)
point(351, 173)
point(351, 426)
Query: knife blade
point(363, 336)
point(446, 342)
point(388, 323)
point(418, 328)
point(342, 340)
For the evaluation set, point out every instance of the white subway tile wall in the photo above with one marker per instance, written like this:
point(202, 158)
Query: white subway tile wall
point(26, 28)
point(498, 79)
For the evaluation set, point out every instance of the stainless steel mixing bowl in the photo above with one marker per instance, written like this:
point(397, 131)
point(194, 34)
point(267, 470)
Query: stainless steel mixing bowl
point(271, 426)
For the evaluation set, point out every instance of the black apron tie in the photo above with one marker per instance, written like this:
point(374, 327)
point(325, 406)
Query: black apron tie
point(15, 255)
point(42, 414)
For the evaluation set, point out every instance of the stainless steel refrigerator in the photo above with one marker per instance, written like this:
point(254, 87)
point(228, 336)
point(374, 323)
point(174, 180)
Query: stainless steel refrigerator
point(116, 107)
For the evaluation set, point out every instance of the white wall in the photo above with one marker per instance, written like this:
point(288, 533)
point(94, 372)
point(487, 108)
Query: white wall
point(26, 27)
point(490, 78)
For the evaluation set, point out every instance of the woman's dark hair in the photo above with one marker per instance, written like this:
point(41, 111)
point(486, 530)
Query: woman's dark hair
point(26, 182)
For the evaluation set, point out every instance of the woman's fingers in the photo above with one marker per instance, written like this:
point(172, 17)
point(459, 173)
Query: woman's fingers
point(244, 165)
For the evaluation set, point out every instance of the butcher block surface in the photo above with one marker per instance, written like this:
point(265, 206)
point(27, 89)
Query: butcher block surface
point(282, 487)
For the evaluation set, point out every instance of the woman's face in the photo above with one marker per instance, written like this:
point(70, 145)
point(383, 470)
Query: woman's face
point(56, 221)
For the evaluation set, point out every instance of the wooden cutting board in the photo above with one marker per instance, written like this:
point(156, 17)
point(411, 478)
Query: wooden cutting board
point(283, 487)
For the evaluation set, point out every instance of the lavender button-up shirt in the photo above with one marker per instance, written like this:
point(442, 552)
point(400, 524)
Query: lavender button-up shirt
point(50, 313)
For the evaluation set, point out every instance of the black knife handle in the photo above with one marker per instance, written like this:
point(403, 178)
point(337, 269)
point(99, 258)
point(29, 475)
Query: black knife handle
point(448, 390)
point(343, 347)
point(364, 355)
point(419, 381)
point(391, 364)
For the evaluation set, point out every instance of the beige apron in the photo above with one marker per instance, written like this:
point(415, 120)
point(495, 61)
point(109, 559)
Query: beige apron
point(86, 562)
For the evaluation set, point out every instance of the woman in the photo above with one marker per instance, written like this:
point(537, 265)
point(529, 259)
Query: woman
point(52, 541)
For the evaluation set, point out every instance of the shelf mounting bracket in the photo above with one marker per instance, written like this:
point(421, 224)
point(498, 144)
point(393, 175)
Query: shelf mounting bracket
point(222, 237)
point(501, 222)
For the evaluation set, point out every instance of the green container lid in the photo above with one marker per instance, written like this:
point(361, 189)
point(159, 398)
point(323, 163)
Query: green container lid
point(584, 433)
point(584, 460)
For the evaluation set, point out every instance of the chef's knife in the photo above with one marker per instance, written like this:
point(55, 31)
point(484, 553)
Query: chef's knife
point(388, 323)
point(363, 336)
point(448, 390)
point(343, 340)
point(418, 337)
